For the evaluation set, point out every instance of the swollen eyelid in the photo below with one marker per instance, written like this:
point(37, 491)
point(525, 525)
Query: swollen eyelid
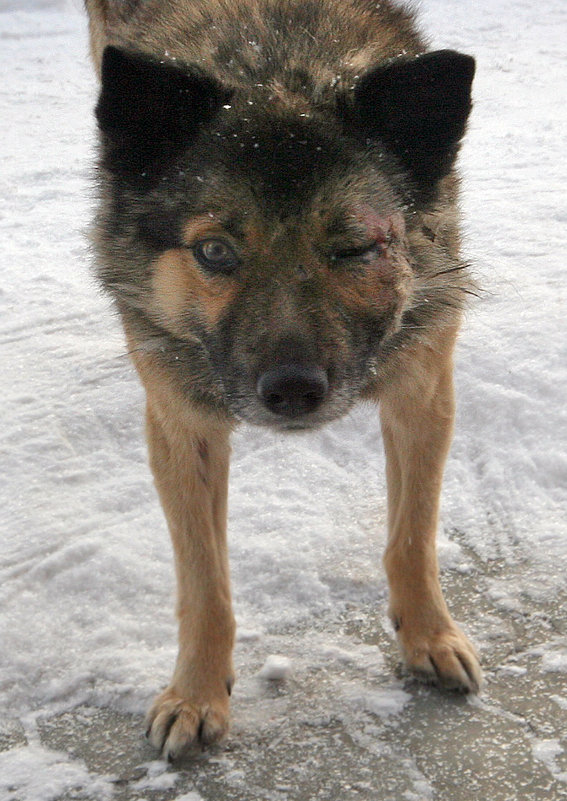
point(366, 251)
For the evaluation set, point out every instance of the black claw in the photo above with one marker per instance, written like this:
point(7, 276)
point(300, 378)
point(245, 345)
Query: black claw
point(466, 667)
point(446, 683)
point(438, 675)
point(200, 731)
point(397, 622)
point(425, 676)
point(229, 686)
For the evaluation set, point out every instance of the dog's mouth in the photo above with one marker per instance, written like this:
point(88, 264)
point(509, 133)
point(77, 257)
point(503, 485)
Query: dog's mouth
point(307, 422)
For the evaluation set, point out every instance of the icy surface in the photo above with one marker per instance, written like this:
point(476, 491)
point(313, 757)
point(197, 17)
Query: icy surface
point(87, 633)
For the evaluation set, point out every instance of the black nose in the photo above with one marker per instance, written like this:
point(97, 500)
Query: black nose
point(291, 390)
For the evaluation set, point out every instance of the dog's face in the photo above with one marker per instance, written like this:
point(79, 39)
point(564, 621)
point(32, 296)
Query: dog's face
point(263, 251)
point(290, 273)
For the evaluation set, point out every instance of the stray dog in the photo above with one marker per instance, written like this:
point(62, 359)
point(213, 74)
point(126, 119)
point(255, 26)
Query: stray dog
point(278, 228)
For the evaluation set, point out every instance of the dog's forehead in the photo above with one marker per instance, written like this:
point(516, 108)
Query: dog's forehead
point(283, 157)
point(287, 169)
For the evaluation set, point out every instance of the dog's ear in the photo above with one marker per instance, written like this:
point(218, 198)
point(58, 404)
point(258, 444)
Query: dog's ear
point(149, 110)
point(418, 108)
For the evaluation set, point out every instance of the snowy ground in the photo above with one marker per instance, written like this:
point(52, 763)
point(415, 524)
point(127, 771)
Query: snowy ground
point(87, 632)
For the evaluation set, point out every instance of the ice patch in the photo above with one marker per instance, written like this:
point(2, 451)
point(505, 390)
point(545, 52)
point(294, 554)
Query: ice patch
point(248, 635)
point(368, 658)
point(554, 662)
point(276, 668)
point(165, 781)
point(560, 700)
point(34, 773)
point(512, 670)
point(547, 752)
point(383, 703)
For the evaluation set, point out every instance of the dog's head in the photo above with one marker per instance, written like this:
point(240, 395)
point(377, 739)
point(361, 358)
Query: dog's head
point(270, 250)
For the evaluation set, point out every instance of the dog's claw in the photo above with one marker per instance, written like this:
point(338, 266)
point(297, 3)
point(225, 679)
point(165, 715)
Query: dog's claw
point(445, 658)
point(175, 723)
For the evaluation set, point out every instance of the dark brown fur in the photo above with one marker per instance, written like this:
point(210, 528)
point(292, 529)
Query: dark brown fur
point(278, 228)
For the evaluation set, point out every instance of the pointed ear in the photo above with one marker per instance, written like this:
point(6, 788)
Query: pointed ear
point(149, 110)
point(418, 109)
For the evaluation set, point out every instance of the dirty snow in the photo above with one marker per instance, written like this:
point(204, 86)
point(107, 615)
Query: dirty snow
point(276, 668)
point(34, 773)
point(86, 578)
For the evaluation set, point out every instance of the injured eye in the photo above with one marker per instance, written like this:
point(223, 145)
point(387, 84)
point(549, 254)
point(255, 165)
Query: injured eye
point(216, 256)
point(365, 253)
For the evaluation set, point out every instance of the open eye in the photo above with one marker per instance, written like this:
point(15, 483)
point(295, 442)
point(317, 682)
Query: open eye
point(216, 256)
point(363, 253)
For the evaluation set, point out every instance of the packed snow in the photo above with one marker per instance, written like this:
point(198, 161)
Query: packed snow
point(86, 576)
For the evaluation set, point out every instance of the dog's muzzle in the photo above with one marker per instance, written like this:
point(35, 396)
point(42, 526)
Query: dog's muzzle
point(292, 390)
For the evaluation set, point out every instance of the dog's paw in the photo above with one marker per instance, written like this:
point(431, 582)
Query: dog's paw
point(443, 656)
point(175, 723)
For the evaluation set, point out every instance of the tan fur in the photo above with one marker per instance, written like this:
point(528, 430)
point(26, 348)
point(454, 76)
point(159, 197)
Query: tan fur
point(417, 412)
point(100, 21)
point(178, 283)
point(189, 457)
point(161, 26)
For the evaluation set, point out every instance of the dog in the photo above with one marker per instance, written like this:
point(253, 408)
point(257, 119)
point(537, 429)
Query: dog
point(279, 231)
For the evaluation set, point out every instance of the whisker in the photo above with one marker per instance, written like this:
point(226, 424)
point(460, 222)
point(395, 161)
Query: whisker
point(458, 268)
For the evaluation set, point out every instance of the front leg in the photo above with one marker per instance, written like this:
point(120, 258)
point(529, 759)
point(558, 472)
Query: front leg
point(417, 412)
point(189, 455)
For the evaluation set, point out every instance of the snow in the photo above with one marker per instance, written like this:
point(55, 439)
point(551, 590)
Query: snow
point(189, 797)
point(547, 751)
point(157, 778)
point(386, 702)
point(38, 774)
point(554, 662)
point(276, 668)
point(86, 578)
